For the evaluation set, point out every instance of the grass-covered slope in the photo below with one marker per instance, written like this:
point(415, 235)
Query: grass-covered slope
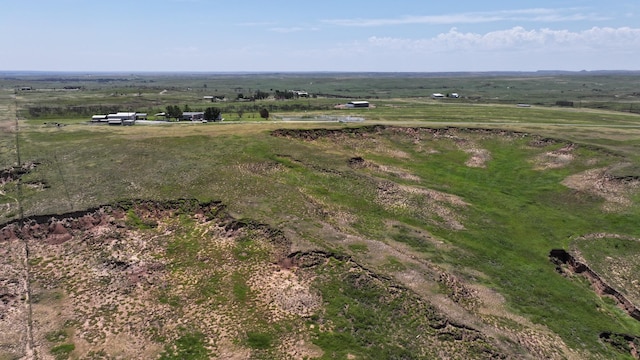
point(362, 242)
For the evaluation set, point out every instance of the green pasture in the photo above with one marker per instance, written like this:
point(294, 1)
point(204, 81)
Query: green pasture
point(516, 213)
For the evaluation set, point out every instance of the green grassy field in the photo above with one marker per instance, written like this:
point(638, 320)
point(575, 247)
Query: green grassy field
point(479, 189)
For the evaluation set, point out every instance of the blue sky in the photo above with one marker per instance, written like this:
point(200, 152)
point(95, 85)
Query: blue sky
point(328, 35)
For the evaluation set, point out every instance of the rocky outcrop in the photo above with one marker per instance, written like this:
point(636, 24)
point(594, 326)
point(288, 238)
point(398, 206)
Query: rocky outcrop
point(59, 228)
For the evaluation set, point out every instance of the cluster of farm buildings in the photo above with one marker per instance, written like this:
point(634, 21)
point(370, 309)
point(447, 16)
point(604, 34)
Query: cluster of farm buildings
point(129, 118)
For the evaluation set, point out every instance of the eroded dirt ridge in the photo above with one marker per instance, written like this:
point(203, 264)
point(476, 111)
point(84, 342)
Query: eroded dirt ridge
point(414, 132)
point(15, 172)
point(562, 257)
point(564, 260)
point(127, 279)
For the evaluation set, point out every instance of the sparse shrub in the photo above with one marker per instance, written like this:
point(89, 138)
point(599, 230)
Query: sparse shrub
point(134, 221)
point(257, 340)
point(62, 351)
point(187, 347)
point(56, 336)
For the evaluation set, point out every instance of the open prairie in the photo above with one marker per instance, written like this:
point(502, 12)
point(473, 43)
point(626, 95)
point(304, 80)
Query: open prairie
point(502, 224)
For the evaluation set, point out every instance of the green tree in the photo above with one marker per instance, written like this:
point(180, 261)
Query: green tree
point(260, 95)
point(264, 113)
point(174, 111)
point(212, 114)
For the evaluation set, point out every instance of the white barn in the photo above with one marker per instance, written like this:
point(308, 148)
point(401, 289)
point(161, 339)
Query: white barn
point(358, 104)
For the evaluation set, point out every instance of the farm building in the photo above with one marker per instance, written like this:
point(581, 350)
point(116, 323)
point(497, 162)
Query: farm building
point(122, 116)
point(214, 98)
point(192, 115)
point(358, 104)
point(99, 118)
point(437, 96)
point(119, 118)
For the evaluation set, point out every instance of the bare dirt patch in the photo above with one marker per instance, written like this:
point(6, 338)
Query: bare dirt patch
point(437, 207)
point(615, 191)
point(360, 163)
point(125, 285)
point(14, 173)
point(555, 159)
point(479, 157)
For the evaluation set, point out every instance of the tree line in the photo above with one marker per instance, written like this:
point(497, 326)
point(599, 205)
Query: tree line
point(175, 112)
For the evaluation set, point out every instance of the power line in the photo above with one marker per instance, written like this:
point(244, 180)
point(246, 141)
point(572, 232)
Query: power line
point(29, 346)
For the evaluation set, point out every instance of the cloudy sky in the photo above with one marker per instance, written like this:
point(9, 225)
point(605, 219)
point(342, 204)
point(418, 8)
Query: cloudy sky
point(327, 35)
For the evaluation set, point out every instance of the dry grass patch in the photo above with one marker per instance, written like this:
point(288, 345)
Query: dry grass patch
point(126, 284)
point(479, 157)
point(260, 168)
point(555, 159)
point(284, 293)
point(360, 163)
point(616, 192)
point(434, 206)
point(13, 300)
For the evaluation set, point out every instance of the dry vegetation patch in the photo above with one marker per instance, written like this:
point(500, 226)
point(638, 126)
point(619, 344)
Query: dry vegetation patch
point(619, 271)
point(598, 182)
point(260, 168)
point(555, 159)
point(479, 157)
point(440, 208)
point(360, 163)
point(14, 309)
point(127, 282)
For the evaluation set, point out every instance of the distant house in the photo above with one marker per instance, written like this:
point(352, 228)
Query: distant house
point(192, 115)
point(300, 93)
point(454, 95)
point(99, 118)
point(120, 118)
point(358, 104)
point(437, 96)
point(214, 98)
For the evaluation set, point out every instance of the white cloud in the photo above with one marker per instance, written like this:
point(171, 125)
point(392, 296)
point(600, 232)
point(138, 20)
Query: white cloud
point(518, 38)
point(529, 15)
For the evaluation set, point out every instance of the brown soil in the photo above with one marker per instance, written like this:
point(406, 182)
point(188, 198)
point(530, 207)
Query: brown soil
point(360, 163)
point(615, 191)
point(433, 206)
point(567, 262)
point(14, 173)
point(111, 288)
point(555, 159)
point(99, 281)
point(561, 257)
